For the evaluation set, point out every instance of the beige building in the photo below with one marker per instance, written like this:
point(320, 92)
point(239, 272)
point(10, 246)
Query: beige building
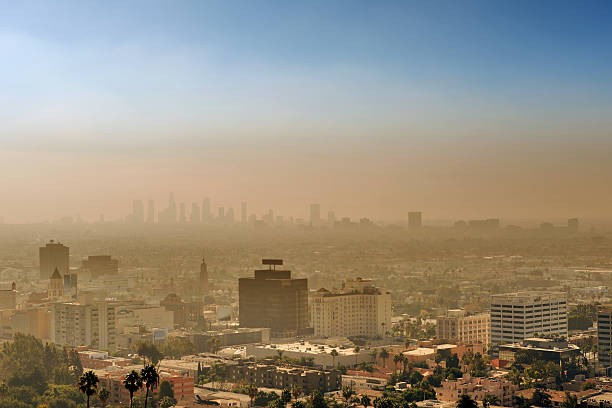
point(358, 309)
point(75, 324)
point(460, 326)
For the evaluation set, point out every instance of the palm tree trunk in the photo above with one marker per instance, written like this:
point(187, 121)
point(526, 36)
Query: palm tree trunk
point(131, 399)
point(146, 397)
point(88, 401)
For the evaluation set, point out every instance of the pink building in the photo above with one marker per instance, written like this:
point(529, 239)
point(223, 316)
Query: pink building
point(477, 388)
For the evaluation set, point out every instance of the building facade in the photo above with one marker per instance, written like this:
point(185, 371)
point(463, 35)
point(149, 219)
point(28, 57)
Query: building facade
point(604, 336)
point(521, 315)
point(75, 324)
point(99, 265)
point(457, 325)
point(53, 256)
point(358, 309)
point(274, 300)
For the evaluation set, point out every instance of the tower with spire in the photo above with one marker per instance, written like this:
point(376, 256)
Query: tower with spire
point(56, 285)
point(204, 278)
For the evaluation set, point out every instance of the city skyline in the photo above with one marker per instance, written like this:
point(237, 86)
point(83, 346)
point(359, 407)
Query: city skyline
point(463, 111)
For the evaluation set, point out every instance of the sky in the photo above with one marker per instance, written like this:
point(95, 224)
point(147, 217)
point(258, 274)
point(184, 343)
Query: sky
point(459, 109)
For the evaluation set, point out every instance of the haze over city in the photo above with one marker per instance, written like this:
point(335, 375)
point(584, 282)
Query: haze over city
point(479, 110)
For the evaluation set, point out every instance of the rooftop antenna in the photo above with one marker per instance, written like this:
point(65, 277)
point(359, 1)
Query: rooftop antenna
point(272, 263)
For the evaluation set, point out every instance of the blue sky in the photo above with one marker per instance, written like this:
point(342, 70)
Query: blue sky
point(429, 80)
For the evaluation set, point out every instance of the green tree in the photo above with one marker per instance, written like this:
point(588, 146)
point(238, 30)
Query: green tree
point(347, 392)
point(296, 391)
point(167, 402)
point(298, 404)
point(276, 403)
point(165, 390)
point(365, 401)
point(541, 398)
point(213, 344)
point(88, 384)
point(149, 351)
point(465, 401)
point(132, 382)
point(286, 395)
point(316, 400)
point(489, 399)
point(150, 378)
point(398, 358)
point(103, 396)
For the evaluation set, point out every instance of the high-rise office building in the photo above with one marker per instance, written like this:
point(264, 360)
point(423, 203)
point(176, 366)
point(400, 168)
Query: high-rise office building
point(206, 214)
point(54, 255)
point(520, 315)
point(572, 224)
point(272, 299)
point(331, 218)
point(604, 337)
point(458, 325)
point(221, 214)
point(358, 309)
point(137, 212)
point(75, 324)
point(168, 216)
point(229, 217)
point(182, 213)
point(204, 278)
point(315, 215)
point(195, 216)
point(243, 212)
point(415, 219)
point(150, 212)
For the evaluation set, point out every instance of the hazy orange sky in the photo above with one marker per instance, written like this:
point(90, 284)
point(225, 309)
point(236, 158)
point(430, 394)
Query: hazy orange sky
point(478, 109)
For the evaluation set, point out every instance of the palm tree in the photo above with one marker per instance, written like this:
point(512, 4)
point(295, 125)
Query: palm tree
point(356, 350)
point(398, 358)
point(213, 344)
point(373, 354)
point(132, 382)
point(465, 401)
point(366, 401)
point(103, 396)
point(150, 378)
point(334, 354)
point(88, 384)
point(252, 392)
point(384, 354)
point(405, 363)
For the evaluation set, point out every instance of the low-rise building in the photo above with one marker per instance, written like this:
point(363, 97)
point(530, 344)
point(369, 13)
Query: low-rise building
point(263, 375)
point(540, 349)
point(477, 388)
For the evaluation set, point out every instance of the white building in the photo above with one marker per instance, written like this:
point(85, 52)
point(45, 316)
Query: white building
point(521, 315)
point(75, 324)
point(463, 327)
point(358, 309)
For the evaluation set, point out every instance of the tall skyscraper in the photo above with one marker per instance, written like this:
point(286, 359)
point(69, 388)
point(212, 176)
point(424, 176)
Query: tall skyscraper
point(206, 214)
point(331, 218)
point(182, 214)
point(315, 215)
point(243, 212)
point(415, 219)
point(150, 212)
point(54, 255)
point(195, 217)
point(274, 300)
point(229, 217)
point(204, 278)
point(168, 216)
point(137, 212)
point(221, 214)
point(572, 224)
